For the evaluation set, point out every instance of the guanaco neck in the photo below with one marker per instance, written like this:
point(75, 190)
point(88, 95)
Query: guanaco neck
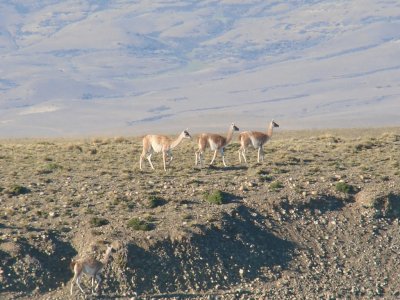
point(229, 135)
point(177, 141)
point(270, 129)
point(106, 257)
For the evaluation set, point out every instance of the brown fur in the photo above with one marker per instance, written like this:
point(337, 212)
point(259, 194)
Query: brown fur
point(215, 142)
point(72, 265)
point(90, 266)
point(160, 143)
point(257, 139)
point(204, 140)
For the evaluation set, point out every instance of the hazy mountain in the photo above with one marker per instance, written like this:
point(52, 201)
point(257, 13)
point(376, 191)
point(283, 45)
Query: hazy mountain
point(128, 67)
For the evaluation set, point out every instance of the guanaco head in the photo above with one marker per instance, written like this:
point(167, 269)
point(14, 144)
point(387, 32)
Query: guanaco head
point(274, 124)
point(234, 127)
point(186, 134)
point(108, 253)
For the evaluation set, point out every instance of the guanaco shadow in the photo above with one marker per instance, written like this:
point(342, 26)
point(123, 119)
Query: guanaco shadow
point(228, 168)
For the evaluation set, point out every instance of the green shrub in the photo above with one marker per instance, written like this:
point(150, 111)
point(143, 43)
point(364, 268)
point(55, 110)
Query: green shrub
point(130, 205)
point(137, 224)
point(363, 146)
point(49, 168)
point(75, 203)
point(385, 178)
point(16, 190)
point(75, 147)
point(215, 197)
point(279, 171)
point(344, 187)
point(93, 151)
point(97, 221)
point(53, 166)
point(264, 176)
point(276, 185)
point(154, 201)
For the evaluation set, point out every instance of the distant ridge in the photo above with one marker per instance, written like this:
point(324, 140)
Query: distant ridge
point(99, 67)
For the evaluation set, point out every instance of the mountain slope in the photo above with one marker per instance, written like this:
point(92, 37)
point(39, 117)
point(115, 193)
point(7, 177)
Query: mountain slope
point(95, 67)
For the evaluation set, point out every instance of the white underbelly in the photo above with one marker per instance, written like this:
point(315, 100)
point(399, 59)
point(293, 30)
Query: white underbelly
point(213, 146)
point(88, 270)
point(156, 147)
point(256, 144)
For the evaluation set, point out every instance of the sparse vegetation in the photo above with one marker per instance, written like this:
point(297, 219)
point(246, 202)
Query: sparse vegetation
point(215, 197)
point(93, 151)
point(17, 189)
point(154, 201)
point(75, 147)
point(121, 139)
point(137, 224)
point(53, 166)
point(344, 187)
point(57, 200)
point(276, 186)
point(98, 221)
point(264, 176)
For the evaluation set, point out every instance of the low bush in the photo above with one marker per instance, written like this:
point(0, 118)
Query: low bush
point(16, 190)
point(97, 222)
point(215, 197)
point(276, 185)
point(137, 224)
point(344, 187)
point(154, 201)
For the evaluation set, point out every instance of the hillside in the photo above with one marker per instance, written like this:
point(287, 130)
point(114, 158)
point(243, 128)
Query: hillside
point(139, 66)
point(318, 219)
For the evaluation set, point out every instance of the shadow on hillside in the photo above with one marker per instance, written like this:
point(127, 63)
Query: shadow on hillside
point(236, 250)
point(231, 198)
point(324, 204)
point(42, 266)
point(320, 204)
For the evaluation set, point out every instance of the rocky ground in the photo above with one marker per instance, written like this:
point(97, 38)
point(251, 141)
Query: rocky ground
point(318, 219)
